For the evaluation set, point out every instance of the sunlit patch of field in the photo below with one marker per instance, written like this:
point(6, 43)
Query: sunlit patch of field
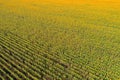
point(60, 39)
point(63, 2)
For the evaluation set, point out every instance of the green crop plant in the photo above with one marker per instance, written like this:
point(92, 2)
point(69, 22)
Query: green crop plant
point(59, 40)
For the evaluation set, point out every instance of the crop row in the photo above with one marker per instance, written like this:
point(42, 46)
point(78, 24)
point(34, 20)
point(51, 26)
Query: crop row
point(39, 63)
point(10, 51)
point(75, 65)
point(74, 69)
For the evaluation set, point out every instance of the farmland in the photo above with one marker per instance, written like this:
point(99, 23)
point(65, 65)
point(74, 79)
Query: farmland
point(59, 40)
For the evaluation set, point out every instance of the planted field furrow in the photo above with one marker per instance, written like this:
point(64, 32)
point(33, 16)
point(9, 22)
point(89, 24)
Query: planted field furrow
point(4, 75)
point(51, 58)
point(29, 65)
point(6, 69)
point(90, 69)
point(59, 40)
point(52, 67)
point(95, 73)
point(77, 69)
point(13, 49)
point(21, 72)
point(46, 55)
point(31, 60)
point(79, 75)
point(33, 48)
point(24, 67)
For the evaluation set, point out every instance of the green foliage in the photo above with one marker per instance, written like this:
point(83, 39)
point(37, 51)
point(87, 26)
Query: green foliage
point(51, 42)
